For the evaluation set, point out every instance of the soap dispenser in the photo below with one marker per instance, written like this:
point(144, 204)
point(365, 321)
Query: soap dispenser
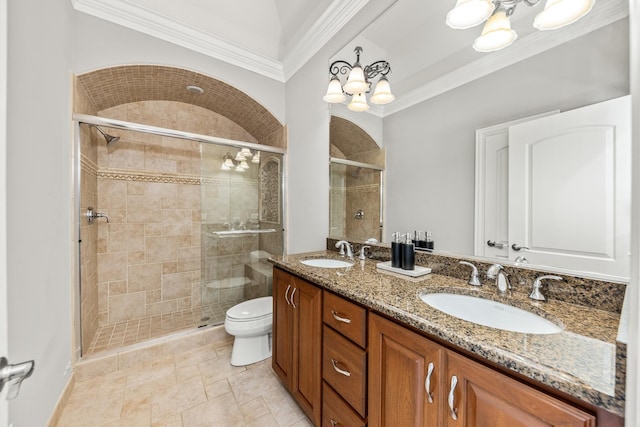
point(396, 251)
point(408, 253)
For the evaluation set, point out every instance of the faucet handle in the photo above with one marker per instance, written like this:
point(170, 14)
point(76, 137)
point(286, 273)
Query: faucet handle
point(362, 250)
point(474, 280)
point(537, 284)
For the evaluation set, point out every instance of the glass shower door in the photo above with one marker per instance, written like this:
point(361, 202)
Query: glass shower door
point(241, 202)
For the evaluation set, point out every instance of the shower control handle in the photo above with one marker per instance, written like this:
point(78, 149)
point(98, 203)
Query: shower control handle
point(92, 215)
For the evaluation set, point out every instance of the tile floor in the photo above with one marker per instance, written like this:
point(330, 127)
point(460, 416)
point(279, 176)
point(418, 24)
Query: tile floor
point(110, 337)
point(188, 388)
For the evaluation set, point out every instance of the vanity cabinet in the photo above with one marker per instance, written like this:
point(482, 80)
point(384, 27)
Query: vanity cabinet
point(297, 340)
point(406, 377)
point(416, 382)
point(483, 397)
point(344, 363)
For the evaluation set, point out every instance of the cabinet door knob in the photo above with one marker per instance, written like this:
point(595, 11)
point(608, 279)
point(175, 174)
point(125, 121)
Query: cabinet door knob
point(454, 411)
point(340, 318)
point(334, 362)
point(293, 303)
point(286, 295)
point(427, 382)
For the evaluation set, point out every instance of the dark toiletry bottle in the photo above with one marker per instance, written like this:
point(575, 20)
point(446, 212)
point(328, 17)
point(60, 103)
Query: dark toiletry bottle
point(429, 242)
point(408, 254)
point(396, 253)
point(420, 239)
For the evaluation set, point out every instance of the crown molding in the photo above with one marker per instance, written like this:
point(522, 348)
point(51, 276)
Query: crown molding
point(537, 42)
point(148, 22)
point(337, 15)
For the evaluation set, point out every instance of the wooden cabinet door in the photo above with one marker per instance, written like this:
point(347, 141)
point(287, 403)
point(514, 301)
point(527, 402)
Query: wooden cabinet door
point(399, 366)
point(306, 301)
point(483, 397)
point(282, 339)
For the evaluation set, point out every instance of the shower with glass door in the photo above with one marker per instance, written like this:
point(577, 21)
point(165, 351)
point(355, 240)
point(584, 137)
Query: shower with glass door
point(174, 228)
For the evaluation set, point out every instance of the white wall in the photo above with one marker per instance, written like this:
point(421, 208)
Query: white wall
point(38, 202)
point(98, 44)
point(431, 146)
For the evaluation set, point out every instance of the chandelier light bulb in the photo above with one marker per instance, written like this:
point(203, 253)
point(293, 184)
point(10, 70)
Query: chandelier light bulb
point(244, 165)
point(355, 82)
point(224, 167)
point(334, 93)
point(559, 13)
point(469, 13)
point(245, 152)
point(358, 103)
point(228, 163)
point(496, 34)
point(382, 93)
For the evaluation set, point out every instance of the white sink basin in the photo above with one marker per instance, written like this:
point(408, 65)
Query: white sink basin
point(326, 263)
point(490, 313)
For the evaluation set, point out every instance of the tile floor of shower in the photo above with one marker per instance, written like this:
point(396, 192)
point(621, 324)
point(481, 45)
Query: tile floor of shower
point(116, 336)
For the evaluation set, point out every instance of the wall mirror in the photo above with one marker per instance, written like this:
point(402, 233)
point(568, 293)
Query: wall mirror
point(446, 91)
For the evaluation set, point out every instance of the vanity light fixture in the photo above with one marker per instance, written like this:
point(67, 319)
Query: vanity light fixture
point(497, 33)
point(358, 83)
point(239, 162)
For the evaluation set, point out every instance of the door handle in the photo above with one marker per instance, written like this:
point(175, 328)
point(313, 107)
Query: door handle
point(293, 303)
point(286, 295)
point(516, 247)
point(452, 408)
point(493, 244)
point(427, 382)
point(344, 372)
point(340, 318)
point(14, 375)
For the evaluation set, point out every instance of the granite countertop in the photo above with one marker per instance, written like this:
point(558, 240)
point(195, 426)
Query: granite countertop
point(583, 360)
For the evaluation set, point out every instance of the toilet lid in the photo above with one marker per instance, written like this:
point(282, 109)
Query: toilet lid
point(251, 309)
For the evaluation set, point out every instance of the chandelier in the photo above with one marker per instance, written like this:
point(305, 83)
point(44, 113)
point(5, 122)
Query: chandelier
point(358, 83)
point(497, 33)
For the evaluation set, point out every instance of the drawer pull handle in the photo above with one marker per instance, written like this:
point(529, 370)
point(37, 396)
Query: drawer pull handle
point(286, 295)
point(427, 382)
point(292, 294)
point(454, 411)
point(334, 423)
point(334, 362)
point(340, 318)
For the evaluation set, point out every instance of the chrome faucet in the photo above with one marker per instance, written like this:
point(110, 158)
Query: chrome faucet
point(342, 244)
point(537, 284)
point(474, 280)
point(496, 271)
point(362, 254)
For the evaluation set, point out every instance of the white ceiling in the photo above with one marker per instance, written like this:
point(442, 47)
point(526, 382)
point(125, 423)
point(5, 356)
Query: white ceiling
point(276, 37)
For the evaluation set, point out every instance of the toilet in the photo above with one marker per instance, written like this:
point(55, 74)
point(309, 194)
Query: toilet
point(250, 323)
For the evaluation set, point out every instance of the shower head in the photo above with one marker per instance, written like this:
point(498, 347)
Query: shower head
point(110, 138)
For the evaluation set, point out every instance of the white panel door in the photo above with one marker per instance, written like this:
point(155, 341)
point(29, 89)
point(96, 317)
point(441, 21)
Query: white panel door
point(569, 189)
point(491, 231)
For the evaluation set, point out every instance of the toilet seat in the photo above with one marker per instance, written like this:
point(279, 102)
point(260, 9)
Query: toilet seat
point(251, 310)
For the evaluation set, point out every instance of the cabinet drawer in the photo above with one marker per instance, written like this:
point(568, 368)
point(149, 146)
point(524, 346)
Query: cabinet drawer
point(344, 367)
point(345, 317)
point(335, 412)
